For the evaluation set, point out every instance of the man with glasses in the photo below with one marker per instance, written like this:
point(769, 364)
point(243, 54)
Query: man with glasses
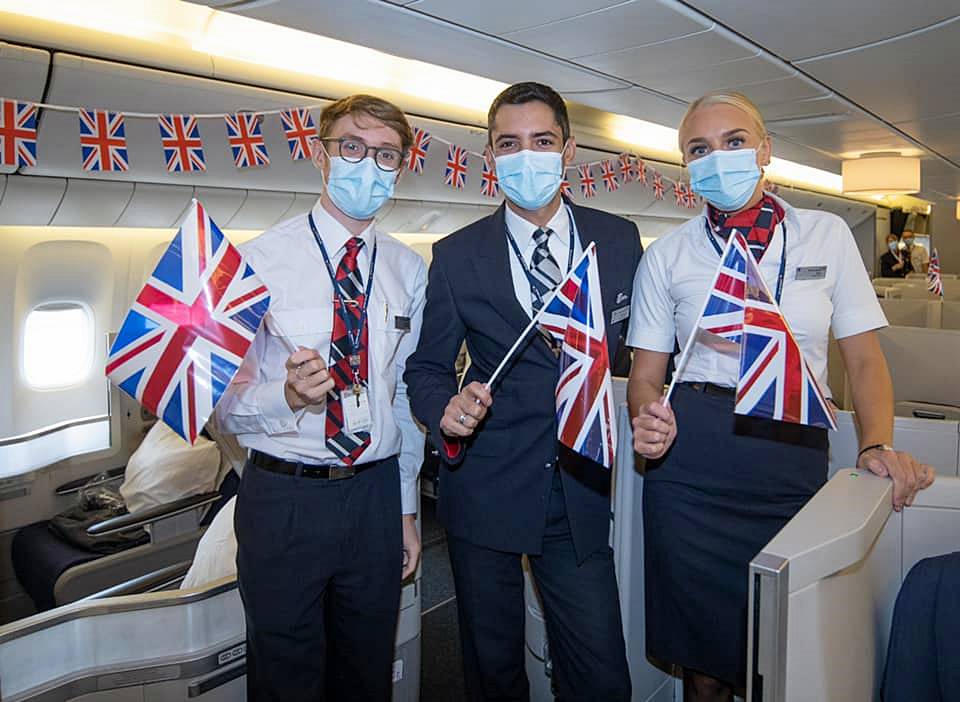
point(508, 487)
point(325, 516)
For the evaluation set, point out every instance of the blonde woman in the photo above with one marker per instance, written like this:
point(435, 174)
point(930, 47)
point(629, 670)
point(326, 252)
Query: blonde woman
point(719, 485)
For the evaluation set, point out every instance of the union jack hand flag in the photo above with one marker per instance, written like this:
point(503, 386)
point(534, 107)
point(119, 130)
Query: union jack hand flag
point(588, 186)
point(610, 181)
point(585, 409)
point(18, 133)
point(488, 181)
point(565, 188)
point(657, 185)
point(934, 282)
point(246, 140)
point(627, 171)
point(775, 381)
point(182, 148)
point(723, 313)
point(103, 143)
point(417, 157)
point(299, 129)
point(190, 326)
point(455, 174)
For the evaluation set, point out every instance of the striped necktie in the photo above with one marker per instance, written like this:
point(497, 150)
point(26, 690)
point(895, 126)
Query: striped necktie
point(340, 442)
point(544, 270)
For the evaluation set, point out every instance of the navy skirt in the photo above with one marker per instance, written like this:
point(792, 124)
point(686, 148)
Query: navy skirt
point(725, 488)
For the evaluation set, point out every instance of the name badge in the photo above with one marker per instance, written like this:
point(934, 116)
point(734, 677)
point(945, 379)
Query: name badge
point(356, 410)
point(401, 323)
point(620, 314)
point(811, 272)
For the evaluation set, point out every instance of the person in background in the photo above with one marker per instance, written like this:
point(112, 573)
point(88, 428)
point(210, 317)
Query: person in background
point(326, 512)
point(893, 263)
point(507, 487)
point(919, 256)
point(719, 485)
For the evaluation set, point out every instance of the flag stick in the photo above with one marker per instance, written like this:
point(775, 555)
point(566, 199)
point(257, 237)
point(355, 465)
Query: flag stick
point(696, 327)
point(536, 318)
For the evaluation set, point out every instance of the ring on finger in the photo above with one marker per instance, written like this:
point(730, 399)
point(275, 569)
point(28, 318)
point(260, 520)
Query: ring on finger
point(296, 371)
point(462, 419)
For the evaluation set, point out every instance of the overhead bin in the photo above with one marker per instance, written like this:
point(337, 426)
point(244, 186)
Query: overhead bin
point(221, 203)
point(31, 201)
point(260, 209)
point(23, 73)
point(302, 202)
point(92, 203)
point(155, 205)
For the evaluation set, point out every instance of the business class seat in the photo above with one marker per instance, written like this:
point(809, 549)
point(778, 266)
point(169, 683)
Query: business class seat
point(822, 592)
point(54, 572)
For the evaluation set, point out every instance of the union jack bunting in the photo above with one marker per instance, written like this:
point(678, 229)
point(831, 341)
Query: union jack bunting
point(182, 147)
point(585, 409)
point(692, 199)
point(680, 193)
point(417, 157)
point(588, 186)
point(610, 181)
point(627, 170)
point(189, 328)
point(657, 185)
point(565, 188)
point(18, 133)
point(455, 174)
point(103, 143)
point(934, 282)
point(641, 168)
point(300, 130)
point(775, 381)
point(489, 186)
point(246, 140)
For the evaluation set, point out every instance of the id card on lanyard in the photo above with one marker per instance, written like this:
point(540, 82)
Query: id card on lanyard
point(356, 414)
point(783, 256)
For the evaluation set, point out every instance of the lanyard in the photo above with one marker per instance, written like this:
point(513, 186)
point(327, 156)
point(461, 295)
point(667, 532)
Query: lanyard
point(523, 265)
point(353, 335)
point(783, 255)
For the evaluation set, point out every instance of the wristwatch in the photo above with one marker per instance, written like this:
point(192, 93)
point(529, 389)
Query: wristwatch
point(882, 447)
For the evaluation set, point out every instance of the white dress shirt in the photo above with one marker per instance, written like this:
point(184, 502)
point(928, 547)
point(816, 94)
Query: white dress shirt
point(919, 257)
point(833, 291)
point(558, 243)
point(287, 259)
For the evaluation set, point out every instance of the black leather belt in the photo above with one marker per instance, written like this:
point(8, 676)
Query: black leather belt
point(711, 389)
point(278, 465)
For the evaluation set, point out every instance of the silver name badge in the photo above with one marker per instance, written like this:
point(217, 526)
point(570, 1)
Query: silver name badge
point(811, 272)
point(620, 314)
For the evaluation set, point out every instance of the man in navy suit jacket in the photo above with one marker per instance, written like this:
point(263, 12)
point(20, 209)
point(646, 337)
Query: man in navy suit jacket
point(507, 487)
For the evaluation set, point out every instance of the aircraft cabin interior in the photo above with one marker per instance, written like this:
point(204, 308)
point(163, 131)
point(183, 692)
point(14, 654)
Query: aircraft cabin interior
point(117, 547)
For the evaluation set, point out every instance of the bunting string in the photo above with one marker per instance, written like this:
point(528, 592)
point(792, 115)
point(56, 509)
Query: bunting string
point(104, 148)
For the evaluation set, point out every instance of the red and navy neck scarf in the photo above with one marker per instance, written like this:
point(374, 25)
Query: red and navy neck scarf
point(756, 224)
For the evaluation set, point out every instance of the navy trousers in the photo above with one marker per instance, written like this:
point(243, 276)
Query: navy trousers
point(581, 609)
point(318, 566)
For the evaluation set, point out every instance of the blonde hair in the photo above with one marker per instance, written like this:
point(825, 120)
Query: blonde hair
point(726, 97)
point(369, 105)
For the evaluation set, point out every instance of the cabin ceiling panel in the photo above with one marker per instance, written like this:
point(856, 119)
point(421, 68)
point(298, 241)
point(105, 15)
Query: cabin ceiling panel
point(796, 30)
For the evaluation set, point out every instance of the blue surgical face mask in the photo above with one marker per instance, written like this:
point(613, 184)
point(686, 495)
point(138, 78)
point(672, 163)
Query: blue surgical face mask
point(530, 179)
point(893, 246)
point(359, 189)
point(908, 242)
point(725, 179)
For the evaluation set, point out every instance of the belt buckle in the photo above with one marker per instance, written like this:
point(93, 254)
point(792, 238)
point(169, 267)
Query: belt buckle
point(341, 472)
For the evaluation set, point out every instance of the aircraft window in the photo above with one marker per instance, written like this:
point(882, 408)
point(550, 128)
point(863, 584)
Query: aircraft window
point(57, 345)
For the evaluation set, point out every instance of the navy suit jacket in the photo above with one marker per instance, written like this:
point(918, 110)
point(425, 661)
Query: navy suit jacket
point(495, 493)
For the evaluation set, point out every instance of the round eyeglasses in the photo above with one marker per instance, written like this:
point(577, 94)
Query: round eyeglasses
point(352, 150)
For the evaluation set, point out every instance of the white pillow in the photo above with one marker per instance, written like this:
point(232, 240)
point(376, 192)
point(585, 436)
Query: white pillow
point(166, 468)
point(216, 555)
